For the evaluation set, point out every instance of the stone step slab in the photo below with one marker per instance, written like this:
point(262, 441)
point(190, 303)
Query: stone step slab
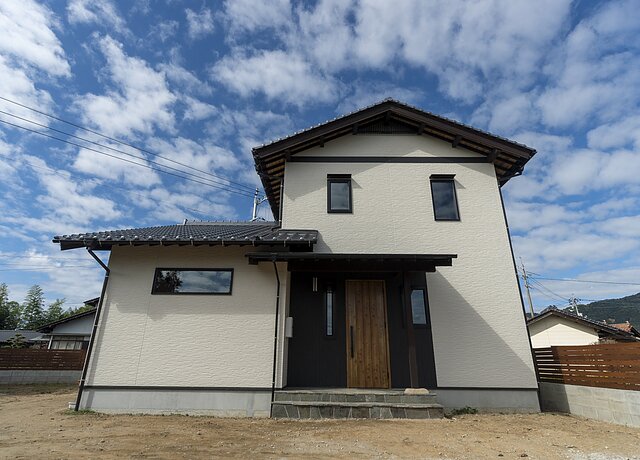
point(365, 410)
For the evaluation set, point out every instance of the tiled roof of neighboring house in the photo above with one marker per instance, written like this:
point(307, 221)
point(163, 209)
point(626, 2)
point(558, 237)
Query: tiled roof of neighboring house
point(627, 327)
point(48, 327)
point(7, 334)
point(388, 117)
point(192, 233)
point(601, 327)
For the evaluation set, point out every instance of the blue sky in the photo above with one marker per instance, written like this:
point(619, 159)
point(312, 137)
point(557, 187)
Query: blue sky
point(200, 83)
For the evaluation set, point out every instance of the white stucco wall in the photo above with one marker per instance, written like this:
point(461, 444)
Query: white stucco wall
point(479, 332)
point(554, 331)
point(185, 340)
point(79, 326)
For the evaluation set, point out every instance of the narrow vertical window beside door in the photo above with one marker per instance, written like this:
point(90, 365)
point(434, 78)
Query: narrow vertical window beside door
point(418, 307)
point(328, 308)
point(443, 194)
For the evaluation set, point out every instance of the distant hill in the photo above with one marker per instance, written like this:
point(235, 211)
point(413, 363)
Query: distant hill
point(613, 310)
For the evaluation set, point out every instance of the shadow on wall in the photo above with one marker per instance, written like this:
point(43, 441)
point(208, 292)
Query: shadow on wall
point(476, 355)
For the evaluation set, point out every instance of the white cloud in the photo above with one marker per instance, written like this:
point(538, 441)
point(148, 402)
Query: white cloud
point(18, 86)
point(595, 74)
point(102, 12)
point(27, 37)
point(139, 102)
point(200, 24)
point(622, 132)
point(164, 30)
point(276, 74)
point(250, 16)
point(365, 93)
point(185, 79)
point(106, 167)
point(197, 110)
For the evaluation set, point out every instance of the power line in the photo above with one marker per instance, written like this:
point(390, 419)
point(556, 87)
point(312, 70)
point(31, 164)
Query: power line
point(38, 269)
point(115, 187)
point(123, 159)
point(587, 281)
point(230, 187)
point(104, 136)
point(549, 293)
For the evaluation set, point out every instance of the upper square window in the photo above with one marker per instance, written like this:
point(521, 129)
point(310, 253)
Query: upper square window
point(443, 194)
point(339, 193)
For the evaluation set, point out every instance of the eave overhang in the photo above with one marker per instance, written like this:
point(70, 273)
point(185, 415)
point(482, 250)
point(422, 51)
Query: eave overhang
point(509, 157)
point(192, 235)
point(359, 262)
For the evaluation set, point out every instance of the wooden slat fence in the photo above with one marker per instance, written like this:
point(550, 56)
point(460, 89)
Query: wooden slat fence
point(614, 365)
point(61, 360)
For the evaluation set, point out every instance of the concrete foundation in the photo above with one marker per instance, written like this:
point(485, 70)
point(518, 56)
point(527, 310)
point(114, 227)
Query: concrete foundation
point(27, 376)
point(605, 404)
point(490, 400)
point(192, 401)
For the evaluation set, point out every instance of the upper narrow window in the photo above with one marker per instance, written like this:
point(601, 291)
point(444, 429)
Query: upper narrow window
point(418, 307)
point(339, 193)
point(443, 193)
point(192, 281)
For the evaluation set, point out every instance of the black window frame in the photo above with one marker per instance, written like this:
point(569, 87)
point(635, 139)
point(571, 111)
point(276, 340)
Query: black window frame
point(339, 179)
point(450, 178)
point(189, 269)
point(426, 307)
point(329, 291)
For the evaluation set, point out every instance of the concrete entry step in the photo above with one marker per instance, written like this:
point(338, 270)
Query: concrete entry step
point(349, 403)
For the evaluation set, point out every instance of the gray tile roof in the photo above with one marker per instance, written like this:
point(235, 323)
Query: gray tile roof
point(400, 103)
point(600, 326)
point(192, 233)
point(6, 334)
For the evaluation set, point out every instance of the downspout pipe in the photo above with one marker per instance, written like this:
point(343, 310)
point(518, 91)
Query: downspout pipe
point(275, 339)
point(96, 319)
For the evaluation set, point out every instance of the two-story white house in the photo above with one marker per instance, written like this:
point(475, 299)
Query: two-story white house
point(388, 266)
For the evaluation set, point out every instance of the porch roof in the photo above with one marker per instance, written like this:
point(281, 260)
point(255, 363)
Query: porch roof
point(195, 233)
point(364, 262)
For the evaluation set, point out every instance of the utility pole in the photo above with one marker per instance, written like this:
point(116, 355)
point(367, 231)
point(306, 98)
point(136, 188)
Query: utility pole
point(574, 304)
point(526, 285)
point(256, 202)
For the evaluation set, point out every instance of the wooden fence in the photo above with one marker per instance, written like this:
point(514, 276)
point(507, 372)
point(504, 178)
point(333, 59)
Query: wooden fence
point(614, 365)
point(29, 359)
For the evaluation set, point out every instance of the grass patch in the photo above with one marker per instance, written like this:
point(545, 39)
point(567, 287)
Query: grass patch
point(80, 412)
point(463, 411)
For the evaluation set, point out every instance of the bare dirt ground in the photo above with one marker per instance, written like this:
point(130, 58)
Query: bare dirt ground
point(35, 424)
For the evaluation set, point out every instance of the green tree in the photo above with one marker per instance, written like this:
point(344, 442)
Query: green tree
point(33, 314)
point(55, 311)
point(9, 310)
point(18, 341)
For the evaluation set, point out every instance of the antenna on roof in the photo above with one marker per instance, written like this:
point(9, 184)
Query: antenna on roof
point(256, 202)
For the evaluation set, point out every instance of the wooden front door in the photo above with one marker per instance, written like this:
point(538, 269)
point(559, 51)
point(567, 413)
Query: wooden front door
point(367, 344)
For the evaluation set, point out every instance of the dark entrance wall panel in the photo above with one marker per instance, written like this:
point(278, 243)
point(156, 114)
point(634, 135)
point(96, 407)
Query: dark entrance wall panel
point(316, 360)
point(424, 339)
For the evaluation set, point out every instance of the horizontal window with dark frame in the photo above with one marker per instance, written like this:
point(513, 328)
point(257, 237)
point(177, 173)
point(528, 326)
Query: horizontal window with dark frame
point(211, 281)
point(339, 196)
point(443, 195)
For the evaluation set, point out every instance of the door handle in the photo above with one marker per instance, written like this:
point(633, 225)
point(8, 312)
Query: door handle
point(351, 336)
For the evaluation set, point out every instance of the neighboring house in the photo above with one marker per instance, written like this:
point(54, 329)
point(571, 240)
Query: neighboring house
point(553, 327)
point(31, 338)
point(72, 332)
point(627, 327)
point(389, 266)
